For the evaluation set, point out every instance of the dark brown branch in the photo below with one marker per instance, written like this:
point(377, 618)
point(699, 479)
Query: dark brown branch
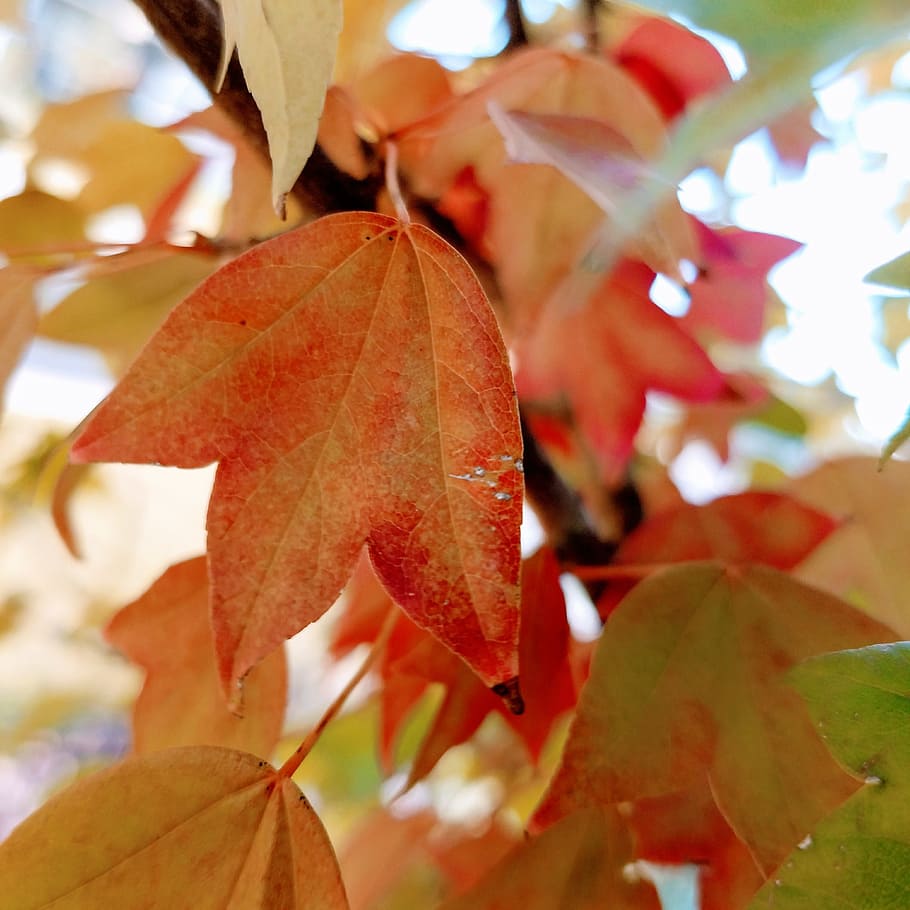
point(562, 513)
point(591, 25)
point(192, 29)
point(518, 34)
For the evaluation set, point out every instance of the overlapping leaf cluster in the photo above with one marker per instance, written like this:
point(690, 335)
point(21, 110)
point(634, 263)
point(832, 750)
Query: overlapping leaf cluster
point(358, 378)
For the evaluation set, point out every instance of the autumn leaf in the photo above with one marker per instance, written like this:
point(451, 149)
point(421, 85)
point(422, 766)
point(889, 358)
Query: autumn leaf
point(287, 50)
point(540, 224)
point(861, 853)
point(198, 827)
point(730, 292)
point(622, 346)
point(413, 660)
point(577, 863)
point(601, 162)
point(547, 686)
point(124, 299)
point(674, 65)
point(36, 227)
point(686, 827)
point(17, 315)
point(350, 379)
point(167, 632)
point(865, 561)
point(752, 527)
point(380, 850)
point(688, 680)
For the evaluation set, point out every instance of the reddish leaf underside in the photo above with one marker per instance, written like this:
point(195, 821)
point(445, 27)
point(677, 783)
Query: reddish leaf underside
point(199, 827)
point(688, 680)
point(351, 381)
point(167, 632)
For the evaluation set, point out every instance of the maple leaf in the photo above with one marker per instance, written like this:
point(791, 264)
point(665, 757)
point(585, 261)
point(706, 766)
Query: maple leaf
point(578, 863)
point(286, 51)
point(688, 680)
point(540, 225)
point(124, 299)
point(167, 632)
point(861, 853)
point(674, 65)
point(412, 660)
point(601, 162)
point(866, 560)
point(730, 293)
point(686, 827)
point(753, 527)
point(350, 379)
point(381, 850)
point(622, 346)
point(547, 685)
point(193, 827)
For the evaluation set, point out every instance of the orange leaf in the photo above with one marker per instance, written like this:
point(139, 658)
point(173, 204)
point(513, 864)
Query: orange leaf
point(350, 379)
point(688, 680)
point(578, 863)
point(167, 632)
point(193, 827)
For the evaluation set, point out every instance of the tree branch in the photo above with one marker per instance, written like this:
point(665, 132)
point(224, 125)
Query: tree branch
point(518, 34)
point(192, 30)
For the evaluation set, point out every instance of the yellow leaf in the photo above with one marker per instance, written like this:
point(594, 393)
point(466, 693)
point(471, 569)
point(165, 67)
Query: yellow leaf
point(198, 827)
point(287, 50)
point(18, 317)
point(125, 299)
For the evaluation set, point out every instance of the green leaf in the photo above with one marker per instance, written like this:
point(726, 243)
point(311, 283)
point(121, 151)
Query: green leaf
point(773, 27)
point(859, 857)
point(893, 274)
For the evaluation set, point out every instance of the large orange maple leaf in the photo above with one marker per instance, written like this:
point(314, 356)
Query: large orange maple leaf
point(351, 381)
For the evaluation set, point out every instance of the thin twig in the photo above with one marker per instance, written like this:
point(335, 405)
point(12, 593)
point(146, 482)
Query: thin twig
point(300, 753)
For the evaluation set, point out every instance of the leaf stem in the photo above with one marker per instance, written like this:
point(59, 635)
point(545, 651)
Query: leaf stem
point(300, 753)
point(392, 184)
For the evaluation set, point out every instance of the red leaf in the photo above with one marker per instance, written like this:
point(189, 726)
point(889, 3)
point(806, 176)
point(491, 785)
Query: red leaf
point(687, 827)
point(350, 379)
point(675, 66)
point(622, 345)
point(730, 293)
point(167, 632)
point(768, 528)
